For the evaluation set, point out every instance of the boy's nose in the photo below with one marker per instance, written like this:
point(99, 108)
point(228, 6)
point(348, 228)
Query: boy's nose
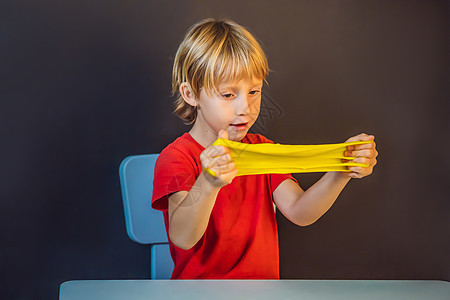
point(243, 106)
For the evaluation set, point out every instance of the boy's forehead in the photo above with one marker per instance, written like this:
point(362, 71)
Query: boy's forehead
point(240, 82)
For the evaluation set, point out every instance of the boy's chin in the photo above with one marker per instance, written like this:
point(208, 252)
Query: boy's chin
point(237, 136)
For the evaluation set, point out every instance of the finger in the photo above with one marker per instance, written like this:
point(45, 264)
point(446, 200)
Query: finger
point(218, 160)
point(349, 153)
point(209, 155)
point(362, 153)
point(357, 170)
point(361, 137)
point(221, 150)
point(356, 138)
point(223, 134)
point(354, 175)
point(214, 151)
point(362, 160)
point(224, 169)
point(221, 160)
point(364, 146)
point(360, 171)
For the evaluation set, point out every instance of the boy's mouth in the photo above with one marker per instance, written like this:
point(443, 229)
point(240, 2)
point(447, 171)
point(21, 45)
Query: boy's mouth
point(239, 126)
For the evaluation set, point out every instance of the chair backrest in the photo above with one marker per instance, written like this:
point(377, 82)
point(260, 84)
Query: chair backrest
point(144, 224)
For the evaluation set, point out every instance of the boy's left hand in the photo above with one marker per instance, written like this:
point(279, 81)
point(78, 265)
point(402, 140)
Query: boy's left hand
point(365, 154)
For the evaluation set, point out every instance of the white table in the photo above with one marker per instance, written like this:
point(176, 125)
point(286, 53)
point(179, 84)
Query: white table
point(254, 289)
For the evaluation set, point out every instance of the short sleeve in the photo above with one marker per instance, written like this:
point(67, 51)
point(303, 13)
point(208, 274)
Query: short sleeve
point(174, 172)
point(277, 179)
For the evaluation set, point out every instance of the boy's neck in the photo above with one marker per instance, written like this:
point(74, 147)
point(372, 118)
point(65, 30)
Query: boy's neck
point(203, 136)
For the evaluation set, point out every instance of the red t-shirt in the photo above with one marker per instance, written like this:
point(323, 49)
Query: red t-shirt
point(241, 240)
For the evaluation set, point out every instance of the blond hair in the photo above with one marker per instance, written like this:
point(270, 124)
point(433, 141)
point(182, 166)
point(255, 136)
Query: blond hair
point(213, 52)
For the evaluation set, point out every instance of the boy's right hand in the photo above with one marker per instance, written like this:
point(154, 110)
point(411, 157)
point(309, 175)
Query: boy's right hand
point(218, 160)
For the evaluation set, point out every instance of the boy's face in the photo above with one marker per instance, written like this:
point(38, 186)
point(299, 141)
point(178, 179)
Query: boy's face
point(235, 108)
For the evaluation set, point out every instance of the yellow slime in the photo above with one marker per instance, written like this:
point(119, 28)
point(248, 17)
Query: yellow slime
point(267, 158)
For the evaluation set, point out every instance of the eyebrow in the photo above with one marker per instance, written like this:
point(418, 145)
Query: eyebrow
point(233, 87)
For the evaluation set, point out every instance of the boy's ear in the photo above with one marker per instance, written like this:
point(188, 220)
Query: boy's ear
point(187, 94)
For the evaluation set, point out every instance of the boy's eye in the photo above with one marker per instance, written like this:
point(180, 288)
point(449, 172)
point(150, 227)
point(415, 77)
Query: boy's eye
point(227, 96)
point(254, 92)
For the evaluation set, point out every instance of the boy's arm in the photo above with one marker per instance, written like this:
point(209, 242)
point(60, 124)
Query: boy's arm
point(305, 207)
point(189, 212)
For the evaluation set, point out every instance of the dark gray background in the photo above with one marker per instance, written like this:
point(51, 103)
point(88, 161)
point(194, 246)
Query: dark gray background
point(83, 84)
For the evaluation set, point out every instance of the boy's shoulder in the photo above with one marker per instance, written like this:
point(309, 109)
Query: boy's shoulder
point(183, 143)
point(182, 150)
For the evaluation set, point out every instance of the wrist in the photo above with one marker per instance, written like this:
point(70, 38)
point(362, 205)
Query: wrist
point(339, 177)
point(209, 183)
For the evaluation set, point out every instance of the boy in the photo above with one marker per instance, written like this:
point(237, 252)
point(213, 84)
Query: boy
point(221, 226)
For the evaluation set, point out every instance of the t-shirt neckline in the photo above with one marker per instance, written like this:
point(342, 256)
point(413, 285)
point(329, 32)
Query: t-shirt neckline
point(190, 137)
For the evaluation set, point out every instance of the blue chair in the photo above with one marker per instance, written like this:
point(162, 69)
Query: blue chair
point(144, 224)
